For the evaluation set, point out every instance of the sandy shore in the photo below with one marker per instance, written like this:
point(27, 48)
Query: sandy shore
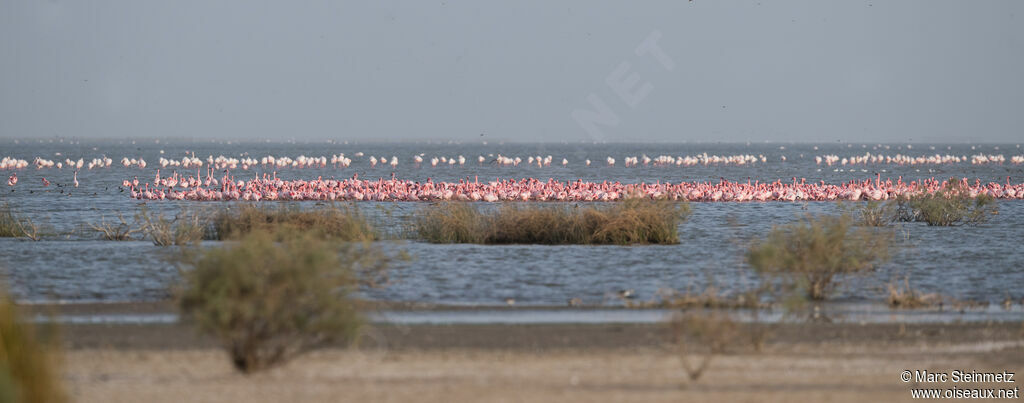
point(567, 362)
point(488, 375)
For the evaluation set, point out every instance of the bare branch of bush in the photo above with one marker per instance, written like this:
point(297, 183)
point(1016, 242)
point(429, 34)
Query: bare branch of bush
point(700, 336)
point(185, 228)
point(29, 230)
point(120, 231)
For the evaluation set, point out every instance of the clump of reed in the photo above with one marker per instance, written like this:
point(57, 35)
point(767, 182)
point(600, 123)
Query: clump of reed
point(811, 254)
point(632, 221)
point(13, 225)
point(184, 228)
point(268, 301)
point(342, 223)
point(28, 363)
point(450, 223)
point(950, 206)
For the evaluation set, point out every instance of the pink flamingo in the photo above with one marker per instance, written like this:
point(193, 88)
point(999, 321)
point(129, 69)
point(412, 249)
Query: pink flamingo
point(530, 189)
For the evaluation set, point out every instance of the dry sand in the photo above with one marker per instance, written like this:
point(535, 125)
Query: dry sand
point(802, 362)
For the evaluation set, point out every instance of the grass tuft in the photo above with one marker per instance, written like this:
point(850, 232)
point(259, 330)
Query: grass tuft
point(341, 223)
point(633, 221)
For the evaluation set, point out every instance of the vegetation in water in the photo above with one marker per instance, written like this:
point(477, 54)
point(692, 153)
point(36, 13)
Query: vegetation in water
point(633, 221)
point(950, 206)
point(813, 253)
point(343, 223)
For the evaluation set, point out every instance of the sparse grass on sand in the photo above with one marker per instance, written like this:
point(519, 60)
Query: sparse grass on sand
point(812, 254)
point(336, 222)
point(632, 221)
point(28, 365)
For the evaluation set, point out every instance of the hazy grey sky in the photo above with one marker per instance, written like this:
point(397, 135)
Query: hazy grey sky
point(741, 70)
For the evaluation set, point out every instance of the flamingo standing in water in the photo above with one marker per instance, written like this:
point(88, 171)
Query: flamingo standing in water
point(12, 180)
point(46, 182)
point(75, 181)
point(530, 189)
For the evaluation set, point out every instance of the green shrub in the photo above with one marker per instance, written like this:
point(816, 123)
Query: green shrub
point(810, 254)
point(633, 221)
point(950, 206)
point(339, 223)
point(268, 301)
point(28, 367)
point(876, 214)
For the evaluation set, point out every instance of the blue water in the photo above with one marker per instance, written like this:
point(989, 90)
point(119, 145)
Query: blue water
point(71, 263)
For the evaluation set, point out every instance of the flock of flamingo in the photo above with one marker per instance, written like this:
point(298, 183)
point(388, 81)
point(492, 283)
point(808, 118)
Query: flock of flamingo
point(342, 161)
point(421, 160)
point(269, 187)
point(900, 159)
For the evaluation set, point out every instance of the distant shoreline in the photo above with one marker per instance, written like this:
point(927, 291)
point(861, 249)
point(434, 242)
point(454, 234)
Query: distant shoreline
point(511, 336)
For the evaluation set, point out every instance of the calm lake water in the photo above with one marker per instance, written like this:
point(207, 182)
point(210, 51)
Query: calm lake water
point(72, 264)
